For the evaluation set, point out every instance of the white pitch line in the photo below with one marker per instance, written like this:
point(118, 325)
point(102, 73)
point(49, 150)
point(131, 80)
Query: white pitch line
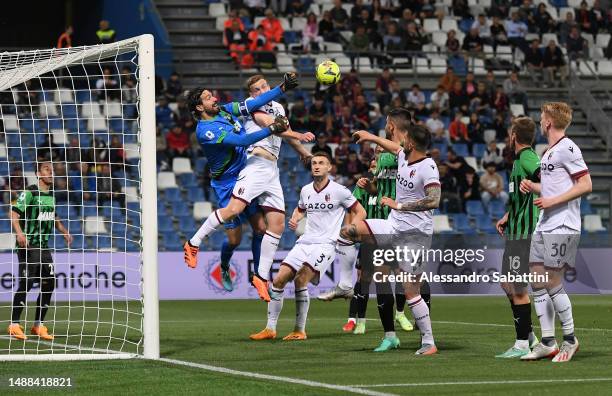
point(297, 381)
point(509, 382)
point(508, 325)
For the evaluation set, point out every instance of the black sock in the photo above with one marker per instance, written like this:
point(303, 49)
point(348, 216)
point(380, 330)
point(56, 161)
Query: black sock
point(548, 341)
point(19, 299)
point(362, 305)
point(400, 297)
point(571, 338)
point(47, 285)
point(522, 320)
point(384, 297)
point(353, 305)
point(426, 294)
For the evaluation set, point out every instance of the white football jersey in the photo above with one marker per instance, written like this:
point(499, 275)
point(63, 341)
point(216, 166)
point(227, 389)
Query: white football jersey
point(324, 211)
point(561, 165)
point(273, 142)
point(411, 181)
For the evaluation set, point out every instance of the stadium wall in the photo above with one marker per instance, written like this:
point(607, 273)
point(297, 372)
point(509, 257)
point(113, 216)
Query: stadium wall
point(118, 274)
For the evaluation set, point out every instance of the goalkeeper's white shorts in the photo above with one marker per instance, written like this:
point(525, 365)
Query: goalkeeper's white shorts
point(318, 256)
point(260, 180)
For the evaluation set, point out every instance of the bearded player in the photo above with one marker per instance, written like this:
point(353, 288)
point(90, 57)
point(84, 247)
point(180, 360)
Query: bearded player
point(564, 179)
point(517, 225)
point(410, 222)
point(324, 203)
point(33, 220)
point(224, 141)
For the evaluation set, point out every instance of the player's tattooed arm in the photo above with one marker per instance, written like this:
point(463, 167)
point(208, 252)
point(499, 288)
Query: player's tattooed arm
point(431, 201)
point(386, 144)
point(350, 232)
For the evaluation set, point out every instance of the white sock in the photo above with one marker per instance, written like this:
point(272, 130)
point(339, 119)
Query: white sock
point(347, 254)
point(521, 344)
point(275, 306)
point(546, 312)
point(563, 307)
point(420, 311)
point(211, 224)
point(390, 334)
point(269, 246)
point(302, 303)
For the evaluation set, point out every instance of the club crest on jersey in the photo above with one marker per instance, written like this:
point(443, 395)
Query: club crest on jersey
point(571, 149)
point(412, 173)
point(241, 191)
point(210, 135)
point(327, 198)
point(550, 155)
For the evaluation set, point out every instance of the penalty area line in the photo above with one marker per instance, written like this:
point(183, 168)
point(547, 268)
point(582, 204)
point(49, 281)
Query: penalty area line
point(296, 381)
point(509, 382)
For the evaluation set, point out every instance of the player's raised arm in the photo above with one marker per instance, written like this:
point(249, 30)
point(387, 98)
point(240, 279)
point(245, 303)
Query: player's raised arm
point(430, 202)
point(386, 144)
point(244, 108)
point(223, 137)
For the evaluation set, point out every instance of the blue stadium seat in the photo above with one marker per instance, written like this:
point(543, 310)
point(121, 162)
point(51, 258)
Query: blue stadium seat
point(195, 194)
point(288, 240)
point(131, 246)
point(161, 207)
point(200, 164)
point(461, 222)
point(90, 210)
point(103, 242)
point(164, 224)
point(116, 125)
point(68, 110)
point(172, 195)
point(186, 223)
point(291, 37)
point(478, 150)
point(216, 240)
point(173, 242)
point(118, 229)
point(474, 208)
point(187, 180)
point(305, 64)
point(497, 209)
point(75, 226)
point(484, 224)
point(180, 208)
point(27, 125)
point(585, 207)
point(5, 225)
point(58, 242)
point(461, 149)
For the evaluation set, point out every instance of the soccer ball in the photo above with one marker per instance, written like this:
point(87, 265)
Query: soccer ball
point(328, 73)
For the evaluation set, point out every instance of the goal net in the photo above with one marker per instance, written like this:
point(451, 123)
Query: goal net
point(87, 113)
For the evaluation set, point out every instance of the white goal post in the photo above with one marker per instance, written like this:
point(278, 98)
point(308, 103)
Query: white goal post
point(90, 112)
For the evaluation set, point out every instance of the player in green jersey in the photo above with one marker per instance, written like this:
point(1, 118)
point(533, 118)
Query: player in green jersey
point(517, 225)
point(33, 220)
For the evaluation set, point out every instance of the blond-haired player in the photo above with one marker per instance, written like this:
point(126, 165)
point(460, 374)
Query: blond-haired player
point(564, 179)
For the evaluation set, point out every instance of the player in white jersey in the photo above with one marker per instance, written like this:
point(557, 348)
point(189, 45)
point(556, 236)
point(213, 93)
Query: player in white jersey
point(259, 179)
point(410, 222)
point(564, 178)
point(324, 203)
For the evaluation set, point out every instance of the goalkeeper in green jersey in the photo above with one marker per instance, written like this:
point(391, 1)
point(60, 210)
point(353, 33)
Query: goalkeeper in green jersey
point(33, 219)
point(516, 226)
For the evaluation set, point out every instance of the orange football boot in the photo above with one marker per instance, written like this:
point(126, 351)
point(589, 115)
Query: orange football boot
point(261, 286)
point(16, 331)
point(42, 332)
point(295, 336)
point(191, 254)
point(265, 334)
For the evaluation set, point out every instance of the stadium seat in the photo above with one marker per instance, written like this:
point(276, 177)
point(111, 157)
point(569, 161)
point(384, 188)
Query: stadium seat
point(172, 195)
point(478, 150)
point(431, 25)
point(201, 210)
point(97, 124)
point(59, 137)
point(474, 208)
point(585, 207)
point(592, 223)
point(188, 180)
point(587, 68)
point(517, 110)
point(172, 242)
point(485, 225)
point(186, 223)
point(166, 180)
point(471, 161)
point(180, 208)
point(90, 109)
point(497, 209)
point(216, 9)
point(298, 23)
point(164, 224)
point(113, 109)
point(95, 225)
point(461, 149)
point(10, 122)
point(181, 165)
point(441, 224)
point(63, 96)
point(422, 66)
point(602, 40)
point(438, 66)
point(7, 241)
point(47, 110)
point(195, 194)
point(449, 24)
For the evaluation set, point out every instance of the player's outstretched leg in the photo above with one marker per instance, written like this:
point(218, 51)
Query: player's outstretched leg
point(346, 252)
point(227, 250)
point(275, 306)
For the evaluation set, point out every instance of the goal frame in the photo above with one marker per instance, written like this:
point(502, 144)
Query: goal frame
point(148, 196)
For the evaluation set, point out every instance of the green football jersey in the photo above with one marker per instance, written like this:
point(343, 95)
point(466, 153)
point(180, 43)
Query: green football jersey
point(368, 201)
point(37, 211)
point(522, 213)
point(386, 173)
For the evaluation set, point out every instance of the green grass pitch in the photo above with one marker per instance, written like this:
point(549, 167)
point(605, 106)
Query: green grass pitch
point(469, 331)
